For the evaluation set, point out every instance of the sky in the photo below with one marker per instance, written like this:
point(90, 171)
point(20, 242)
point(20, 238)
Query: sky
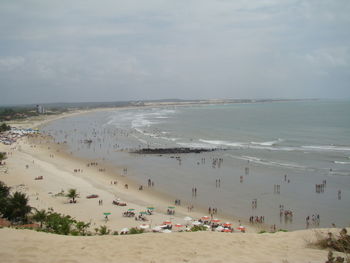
point(112, 50)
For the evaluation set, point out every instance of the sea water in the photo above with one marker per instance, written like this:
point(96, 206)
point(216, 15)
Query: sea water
point(295, 145)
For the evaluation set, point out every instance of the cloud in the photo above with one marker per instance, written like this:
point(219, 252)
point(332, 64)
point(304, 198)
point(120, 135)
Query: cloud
point(10, 63)
point(120, 50)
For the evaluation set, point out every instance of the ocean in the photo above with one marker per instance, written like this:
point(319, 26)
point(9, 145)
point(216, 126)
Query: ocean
point(272, 153)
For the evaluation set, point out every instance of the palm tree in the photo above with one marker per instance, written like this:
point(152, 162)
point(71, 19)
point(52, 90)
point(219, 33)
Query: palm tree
point(4, 194)
point(40, 216)
point(17, 207)
point(72, 194)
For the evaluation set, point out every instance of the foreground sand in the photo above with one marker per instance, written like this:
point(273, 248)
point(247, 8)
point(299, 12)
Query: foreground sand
point(30, 246)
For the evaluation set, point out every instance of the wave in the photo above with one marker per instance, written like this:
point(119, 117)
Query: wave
point(269, 143)
point(326, 148)
point(270, 163)
point(222, 143)
point(196, 145)
point(338, 162)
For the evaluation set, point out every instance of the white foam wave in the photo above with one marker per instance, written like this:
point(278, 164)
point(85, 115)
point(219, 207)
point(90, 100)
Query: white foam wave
point(326, 148)
point(222, 143)
point(195, 145)
point(268, 143)
point(338, 162)
point(269, 163)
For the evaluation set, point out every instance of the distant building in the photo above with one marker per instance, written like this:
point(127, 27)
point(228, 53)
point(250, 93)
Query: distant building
point(40, 109)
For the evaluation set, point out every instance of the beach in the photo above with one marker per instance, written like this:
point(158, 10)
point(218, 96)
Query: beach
point(38, 156)
point(258, 166)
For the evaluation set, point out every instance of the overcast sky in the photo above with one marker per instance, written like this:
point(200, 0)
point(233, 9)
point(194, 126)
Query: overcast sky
point(110, 50)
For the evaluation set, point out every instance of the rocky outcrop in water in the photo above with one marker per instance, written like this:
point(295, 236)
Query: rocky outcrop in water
point(175, 150)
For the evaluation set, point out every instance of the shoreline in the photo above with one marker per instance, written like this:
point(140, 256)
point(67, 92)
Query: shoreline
point(58, 172)
point(92, 180)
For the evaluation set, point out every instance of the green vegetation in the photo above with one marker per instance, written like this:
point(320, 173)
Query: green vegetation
point(40, 216)
point(135, 230)
point(57, 223)
point(198, 228)
point(72, 194)
point(4, 127)
point(102, 230)
point(15, 113)
point(340, 243)
point(2, 156)
point(13, 207)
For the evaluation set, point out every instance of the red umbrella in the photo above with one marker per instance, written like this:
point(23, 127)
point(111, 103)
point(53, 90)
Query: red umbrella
point(242, 228)
point(178, 225)
point(215, 220)
point(227, 224)
point(227, 230)
point(167, 223)
point(205, 217)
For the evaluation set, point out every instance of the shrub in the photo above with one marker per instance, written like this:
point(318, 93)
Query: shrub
point(135, 230)
point(103, 230)
point(198, 228)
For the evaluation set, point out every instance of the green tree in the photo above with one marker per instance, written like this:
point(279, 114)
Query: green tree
point(2, 156)
point(72, 194)
point(17, 207)
point(4, 127)
point(40, 216)
point(4, 194)
point(59, 224)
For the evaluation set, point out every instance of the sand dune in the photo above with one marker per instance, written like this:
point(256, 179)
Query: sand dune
point(30, 246)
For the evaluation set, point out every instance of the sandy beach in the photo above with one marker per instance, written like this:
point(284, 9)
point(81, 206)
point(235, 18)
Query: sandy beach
point(56, 166)
point(36, 156)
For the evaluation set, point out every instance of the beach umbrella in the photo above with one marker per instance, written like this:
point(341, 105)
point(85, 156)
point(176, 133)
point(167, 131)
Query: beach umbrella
point(171, 207)
point(215, 220)
point(178, 225)
point(107, 213)
point(143, 213)
point(167, 222)
point(227, 230)
point(206, 226)
point(131, 209)
point(227, 224)
point(150, 208)
point(219, 228)
point(205, 217)
point(187, 218)
point(166, 231)
point(196, 223)
point(144, 226)
point(242, 228)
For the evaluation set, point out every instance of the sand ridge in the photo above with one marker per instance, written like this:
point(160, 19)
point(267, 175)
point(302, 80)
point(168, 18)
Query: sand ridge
point(30, 246)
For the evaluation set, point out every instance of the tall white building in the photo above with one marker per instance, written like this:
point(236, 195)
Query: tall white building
point(40, 109)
